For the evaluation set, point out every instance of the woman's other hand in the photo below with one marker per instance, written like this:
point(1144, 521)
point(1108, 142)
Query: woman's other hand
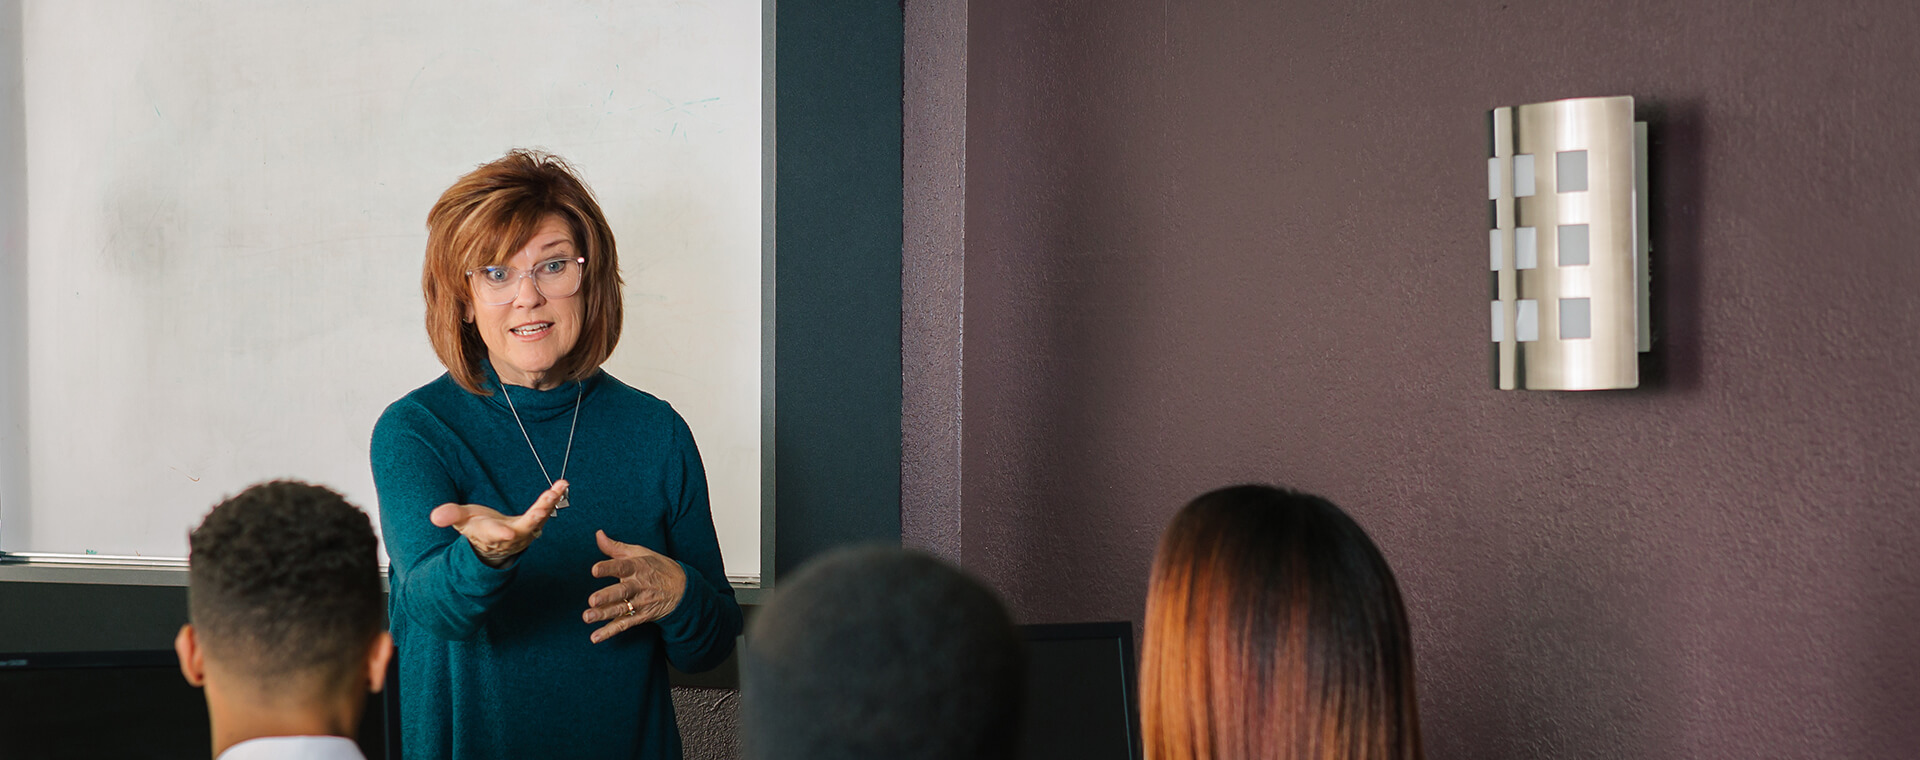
point(498, 538)
point(648, 586)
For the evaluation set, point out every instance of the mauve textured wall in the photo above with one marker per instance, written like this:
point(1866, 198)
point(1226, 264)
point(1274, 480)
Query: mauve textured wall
point(934, 174)
point(1213, 242)
point(709, 722)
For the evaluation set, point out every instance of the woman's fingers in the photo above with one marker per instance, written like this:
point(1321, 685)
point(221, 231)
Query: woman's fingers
point(491, 530)
point(617, 549)
point(609, 603)
point(477, 523)
point(647, 579)
point(648, 605)
point(614, 568)
point(535, 518)
point(472, 519)
point(494, 536)
point(456, 515)
point(610, 596)
point(609, 630)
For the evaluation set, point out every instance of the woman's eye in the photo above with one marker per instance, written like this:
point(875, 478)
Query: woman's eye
point(495, 275)
point(555, 266)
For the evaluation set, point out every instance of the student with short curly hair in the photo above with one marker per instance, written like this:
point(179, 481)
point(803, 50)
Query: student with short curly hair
point(288, 629)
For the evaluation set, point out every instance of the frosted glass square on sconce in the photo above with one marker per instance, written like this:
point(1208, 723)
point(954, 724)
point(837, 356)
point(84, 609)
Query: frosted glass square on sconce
point(1494, 259)
point(1526, 324)
point(1570, 171)
point(1526, 248)
point(1576, 318)
point(1522, 176)
point(1573, 245)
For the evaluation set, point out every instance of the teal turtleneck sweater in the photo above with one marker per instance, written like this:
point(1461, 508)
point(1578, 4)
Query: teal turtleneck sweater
point(495, 663)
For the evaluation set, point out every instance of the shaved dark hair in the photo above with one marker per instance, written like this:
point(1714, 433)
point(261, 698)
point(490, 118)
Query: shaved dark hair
point(284, 578)
point(877, 654)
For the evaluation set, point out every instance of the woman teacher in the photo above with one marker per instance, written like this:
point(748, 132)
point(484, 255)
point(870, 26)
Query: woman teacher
point(551, 543)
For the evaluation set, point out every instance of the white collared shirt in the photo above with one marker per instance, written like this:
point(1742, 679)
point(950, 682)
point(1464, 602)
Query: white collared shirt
point(294, 748)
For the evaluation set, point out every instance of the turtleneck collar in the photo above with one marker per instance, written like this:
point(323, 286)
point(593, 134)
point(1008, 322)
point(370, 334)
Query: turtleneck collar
point(536, 404)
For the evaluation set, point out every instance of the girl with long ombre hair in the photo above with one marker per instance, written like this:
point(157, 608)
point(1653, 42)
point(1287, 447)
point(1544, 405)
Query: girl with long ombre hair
point(1274, 630)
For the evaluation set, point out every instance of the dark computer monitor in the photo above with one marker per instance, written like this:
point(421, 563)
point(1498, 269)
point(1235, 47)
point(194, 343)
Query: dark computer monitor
point(1081, 699)
point(58, 705)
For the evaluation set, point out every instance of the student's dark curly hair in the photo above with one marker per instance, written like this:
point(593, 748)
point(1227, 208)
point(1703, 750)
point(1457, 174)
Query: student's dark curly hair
point(284, 578)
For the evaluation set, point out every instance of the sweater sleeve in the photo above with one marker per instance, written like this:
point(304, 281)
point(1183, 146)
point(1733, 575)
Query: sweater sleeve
point(699, 633)
point(438, 581)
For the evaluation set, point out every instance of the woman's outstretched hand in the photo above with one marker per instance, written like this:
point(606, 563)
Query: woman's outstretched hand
point(648, 586)
point(498, 538)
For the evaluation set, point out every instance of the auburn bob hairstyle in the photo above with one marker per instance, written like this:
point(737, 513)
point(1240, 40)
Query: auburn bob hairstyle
point(485, 218)
point(1274, 631)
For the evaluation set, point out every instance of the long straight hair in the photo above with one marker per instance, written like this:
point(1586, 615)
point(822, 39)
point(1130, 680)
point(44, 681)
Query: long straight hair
point(1275, 630)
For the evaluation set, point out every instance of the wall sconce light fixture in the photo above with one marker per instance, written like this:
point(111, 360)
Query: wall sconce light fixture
point(1568, 189)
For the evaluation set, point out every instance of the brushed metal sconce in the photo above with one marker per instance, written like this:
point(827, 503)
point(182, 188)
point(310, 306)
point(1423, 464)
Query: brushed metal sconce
point(1568, 188)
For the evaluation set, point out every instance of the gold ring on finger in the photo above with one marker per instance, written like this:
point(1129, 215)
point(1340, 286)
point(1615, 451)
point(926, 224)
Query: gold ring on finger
point(630, 607)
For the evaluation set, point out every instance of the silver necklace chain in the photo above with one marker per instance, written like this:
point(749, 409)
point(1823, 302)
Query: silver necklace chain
point(562, 504)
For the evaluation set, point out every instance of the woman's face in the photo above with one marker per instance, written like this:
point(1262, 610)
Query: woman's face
point(526, 336)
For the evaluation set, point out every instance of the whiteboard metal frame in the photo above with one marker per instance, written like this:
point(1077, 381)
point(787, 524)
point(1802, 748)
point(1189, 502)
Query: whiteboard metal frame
point(121, 570)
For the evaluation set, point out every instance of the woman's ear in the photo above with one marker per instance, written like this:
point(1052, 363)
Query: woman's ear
point(193, 659)
point(377, 658)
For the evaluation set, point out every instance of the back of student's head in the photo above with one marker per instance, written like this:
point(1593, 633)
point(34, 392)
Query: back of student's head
point(881, 653)
point(284, 585)
point(1274, 629)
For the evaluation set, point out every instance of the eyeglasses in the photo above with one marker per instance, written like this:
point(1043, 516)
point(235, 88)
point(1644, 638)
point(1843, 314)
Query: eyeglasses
point(553, 278)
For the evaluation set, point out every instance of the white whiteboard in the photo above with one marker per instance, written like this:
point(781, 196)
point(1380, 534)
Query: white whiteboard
point(225, 205)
